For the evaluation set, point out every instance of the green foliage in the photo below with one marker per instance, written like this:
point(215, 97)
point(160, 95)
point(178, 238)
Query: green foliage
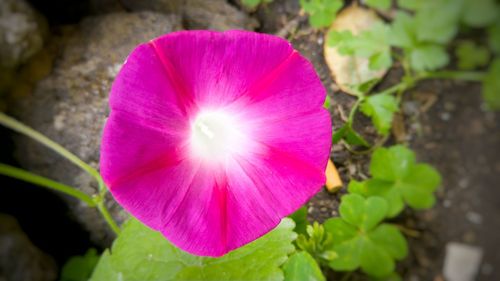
point(491, 86)
point(317, 243)
point(471, 56)
point(479, 13)
point(140, 253)
point(79, 268)
point(421, 54)
point(372, 44)
point(397, 177)
point(328, 102)
point(254, 3)
point(321, 12)
point(381, 108)
point(300, 219)
point(379, 4)
point(494, 37)
point(301, 266)
point(349, 135)
point(361, 241)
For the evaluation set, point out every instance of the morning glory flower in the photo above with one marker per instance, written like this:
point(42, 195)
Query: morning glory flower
point(214, 137)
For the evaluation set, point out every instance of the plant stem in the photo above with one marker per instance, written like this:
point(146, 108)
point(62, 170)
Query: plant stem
point(476, 76)
point(19, 127)
point(96, 201)
point(354, 108)
point(106, 215)
point(24, 175)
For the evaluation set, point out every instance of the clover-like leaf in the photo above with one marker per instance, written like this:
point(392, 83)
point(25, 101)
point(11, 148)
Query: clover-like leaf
point(301, 266)
point(381, 109)
point(140, 253)
point(399, 179)
point(491, 86)
point(321, 12)
point(471, 56)
point(360, 241)
point(365, 213)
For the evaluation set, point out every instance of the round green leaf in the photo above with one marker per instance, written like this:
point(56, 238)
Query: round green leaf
point(302, 267)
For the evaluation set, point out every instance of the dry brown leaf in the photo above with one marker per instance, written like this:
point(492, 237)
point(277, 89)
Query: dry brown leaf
point(350, 70)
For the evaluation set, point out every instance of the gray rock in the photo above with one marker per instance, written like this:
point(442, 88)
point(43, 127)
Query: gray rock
point(216, 15)
point(20, 260)
point(22, 32)
point(198, 14)
point(461, 262)
point(70, 105)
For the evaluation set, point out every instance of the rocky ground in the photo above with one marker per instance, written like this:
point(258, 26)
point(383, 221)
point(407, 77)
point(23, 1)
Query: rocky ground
point(60, 88)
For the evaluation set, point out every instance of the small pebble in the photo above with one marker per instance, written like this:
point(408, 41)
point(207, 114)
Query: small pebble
point(474, 217)
point(461, 262)
point(445, 116)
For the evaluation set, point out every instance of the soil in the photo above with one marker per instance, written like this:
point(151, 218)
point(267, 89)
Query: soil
point(443, 121)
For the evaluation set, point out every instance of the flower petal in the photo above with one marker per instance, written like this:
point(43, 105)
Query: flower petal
point(143, 89)
point(216, 68)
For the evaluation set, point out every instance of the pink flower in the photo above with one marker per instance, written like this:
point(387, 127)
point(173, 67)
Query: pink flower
point(214, 137)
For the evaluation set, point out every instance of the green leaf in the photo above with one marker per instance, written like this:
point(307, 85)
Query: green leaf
point(251, 3)
point(392, 277)
point(142, 254)
point(471, 56)
point(399, 179)
point(327, 102)
point(301, 266)
point(347, 133)
point(391, 240)
point(403, 31)
point(494, 37)
point(360, 241)
point(428, 57)
point(300, 219)
point(391, 163)
point(364, 213)
point(379, 4)
point(381, 108)
point(438, 21)
point(491, 86)
point(79, 268)
point(373, 44)
point(479, 13)
point(321, 12)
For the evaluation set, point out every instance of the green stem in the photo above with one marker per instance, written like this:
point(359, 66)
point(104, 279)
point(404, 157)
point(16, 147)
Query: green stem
point(19, 127)
point(24, 175)
point(106, 215)
point(354, 108)
point(96, 201)
point(476, 76)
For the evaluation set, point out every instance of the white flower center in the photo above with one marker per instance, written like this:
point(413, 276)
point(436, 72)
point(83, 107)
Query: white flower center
point(215, 135)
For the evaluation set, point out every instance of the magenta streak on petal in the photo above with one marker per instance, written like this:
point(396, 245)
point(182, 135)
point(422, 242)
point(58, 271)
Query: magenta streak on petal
point(168, 159)
point(221, 192)
point(254, 94)
point(185, 99)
